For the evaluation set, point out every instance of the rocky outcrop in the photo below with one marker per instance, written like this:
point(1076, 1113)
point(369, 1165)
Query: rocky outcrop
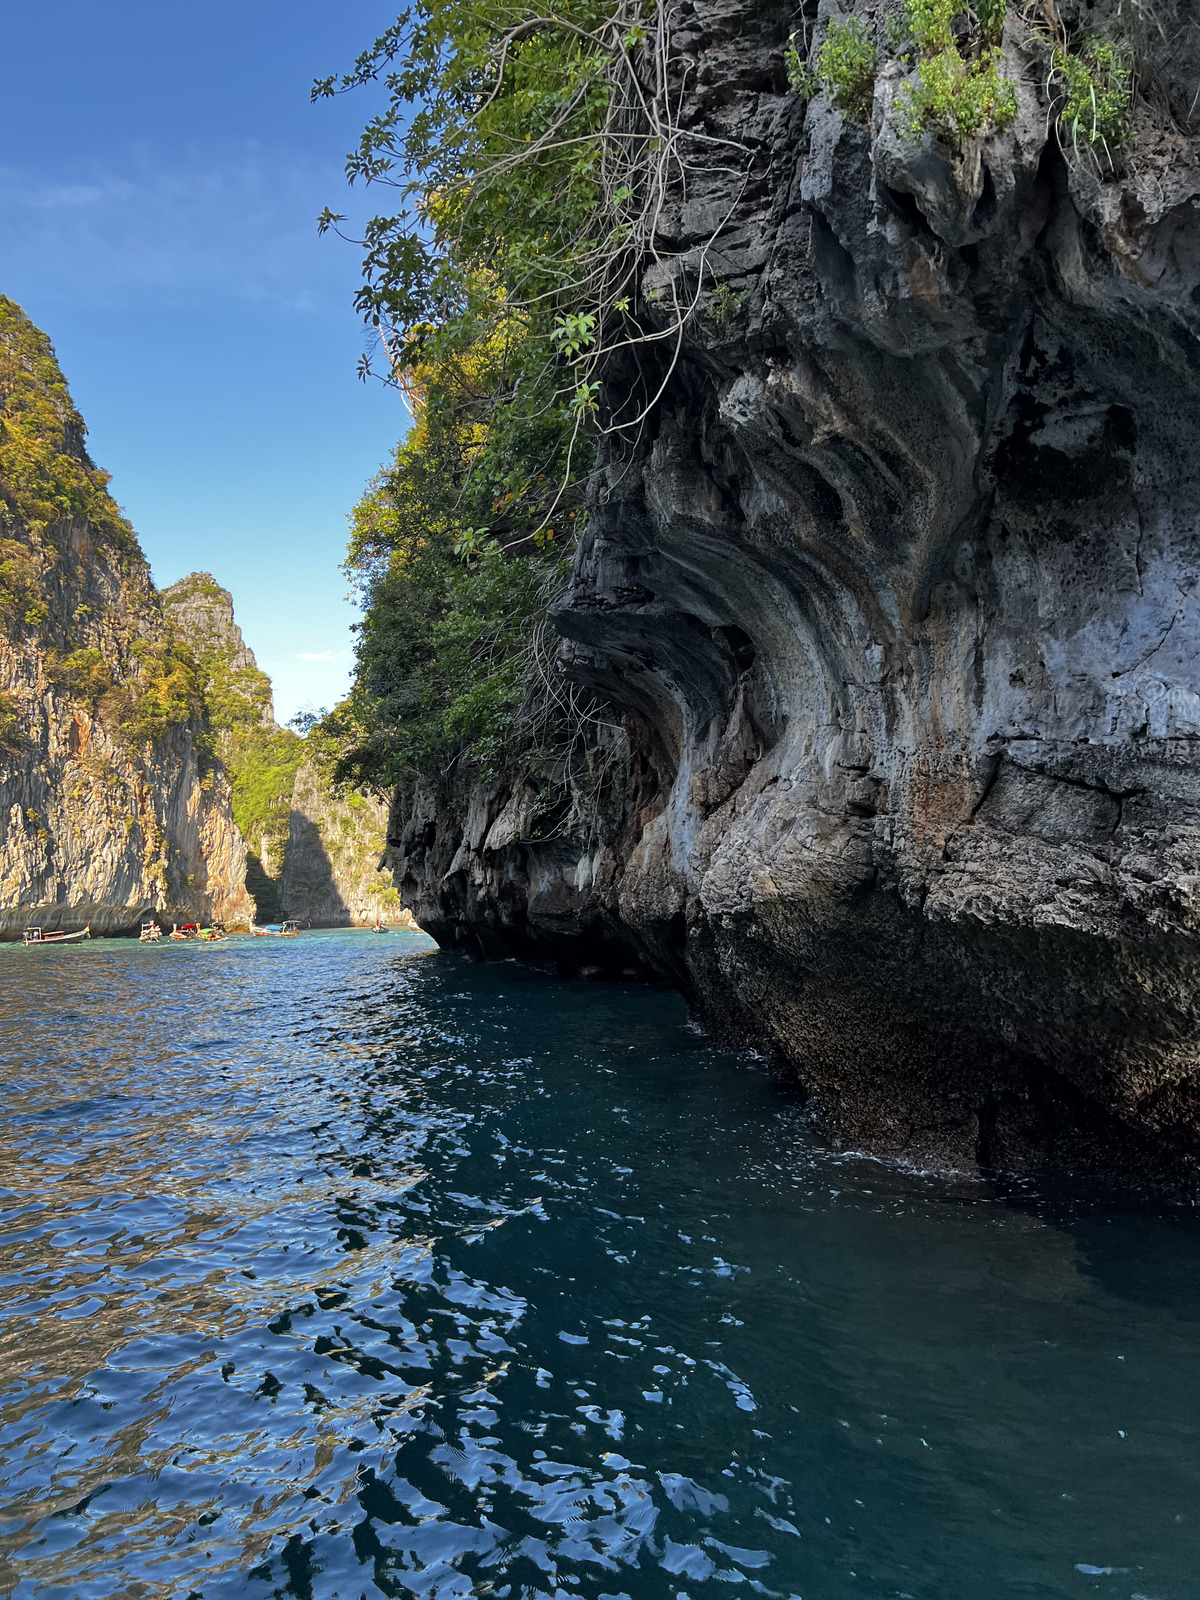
point(893, 605)
point(112, 804)
point(237, 690)
point(332, 874)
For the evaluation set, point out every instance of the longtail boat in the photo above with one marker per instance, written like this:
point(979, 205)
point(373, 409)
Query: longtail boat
point(151, 933)
point(37, 936)
point(276, 930)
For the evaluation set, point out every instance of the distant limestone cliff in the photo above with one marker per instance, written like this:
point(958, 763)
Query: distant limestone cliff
point(260, 758)
point(113, 802)
point(142, 773)
point(237, 692)
point(311, 854)
point(332, 875)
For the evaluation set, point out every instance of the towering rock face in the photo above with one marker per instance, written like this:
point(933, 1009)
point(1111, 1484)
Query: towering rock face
point(894, 600)
point(112, 805)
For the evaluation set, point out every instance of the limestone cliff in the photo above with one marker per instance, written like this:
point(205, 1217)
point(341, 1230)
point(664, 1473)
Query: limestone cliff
point(259, 757)
point(112, 804)
point(236, 690)
point(332, 875)
point(893, 601)
point(312, 854)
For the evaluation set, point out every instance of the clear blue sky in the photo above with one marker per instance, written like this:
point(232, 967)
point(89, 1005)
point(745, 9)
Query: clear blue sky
point(161, 170)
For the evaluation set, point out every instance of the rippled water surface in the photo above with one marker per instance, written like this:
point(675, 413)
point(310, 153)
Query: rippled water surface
point(342, 1268)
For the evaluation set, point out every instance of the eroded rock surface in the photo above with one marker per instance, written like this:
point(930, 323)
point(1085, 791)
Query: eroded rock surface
point(893, 603)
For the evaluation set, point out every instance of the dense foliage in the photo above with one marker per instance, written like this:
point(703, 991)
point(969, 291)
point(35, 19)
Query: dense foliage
point(262, 764)
point(45, 474)
point(528, 153)
point(149, 689)
point(456, 548)
point(495, 137)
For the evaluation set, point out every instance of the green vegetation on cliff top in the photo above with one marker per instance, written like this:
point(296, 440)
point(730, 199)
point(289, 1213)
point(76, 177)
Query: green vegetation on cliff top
point(56, 514)
point(46, 476)
point(959, 89)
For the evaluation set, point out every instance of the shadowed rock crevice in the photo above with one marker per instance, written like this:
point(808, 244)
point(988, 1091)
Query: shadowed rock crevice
point(264, 888)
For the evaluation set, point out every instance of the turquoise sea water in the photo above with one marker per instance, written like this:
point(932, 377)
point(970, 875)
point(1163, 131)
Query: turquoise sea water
point(341, 1268)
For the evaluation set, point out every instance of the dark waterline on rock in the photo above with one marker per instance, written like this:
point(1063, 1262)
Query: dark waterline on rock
point(341, 1268)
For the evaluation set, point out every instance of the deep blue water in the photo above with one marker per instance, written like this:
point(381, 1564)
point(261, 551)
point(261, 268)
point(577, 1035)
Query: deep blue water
point(343, 1268)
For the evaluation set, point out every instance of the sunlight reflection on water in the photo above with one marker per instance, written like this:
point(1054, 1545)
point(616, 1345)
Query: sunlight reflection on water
point(342, 1268)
